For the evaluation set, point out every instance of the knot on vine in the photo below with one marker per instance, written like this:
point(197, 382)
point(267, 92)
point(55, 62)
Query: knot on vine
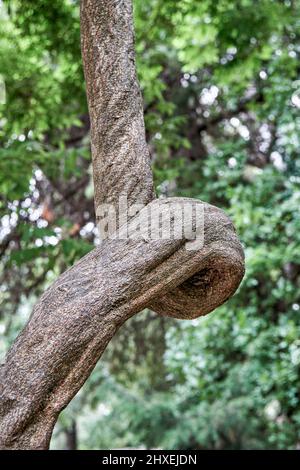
point(203, 248)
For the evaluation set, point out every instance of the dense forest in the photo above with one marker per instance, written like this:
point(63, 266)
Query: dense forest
point(221, 88)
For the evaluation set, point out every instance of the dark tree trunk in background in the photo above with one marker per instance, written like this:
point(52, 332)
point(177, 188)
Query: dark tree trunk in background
point(77, 316)
point(71, 436)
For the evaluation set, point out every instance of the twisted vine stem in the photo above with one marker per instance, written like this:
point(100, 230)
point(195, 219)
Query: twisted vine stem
point(77, 316)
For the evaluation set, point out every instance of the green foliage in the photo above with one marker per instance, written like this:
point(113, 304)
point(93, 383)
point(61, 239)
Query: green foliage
point(220, 81)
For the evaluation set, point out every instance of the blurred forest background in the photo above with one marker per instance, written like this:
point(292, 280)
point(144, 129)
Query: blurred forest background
point(221, 87)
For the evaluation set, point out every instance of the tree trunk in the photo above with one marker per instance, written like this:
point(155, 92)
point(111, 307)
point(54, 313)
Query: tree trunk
point(77, 316)
point(71, 436)
point(121, 160)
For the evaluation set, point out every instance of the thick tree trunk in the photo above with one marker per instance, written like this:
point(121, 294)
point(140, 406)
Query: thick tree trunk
point(77, 316)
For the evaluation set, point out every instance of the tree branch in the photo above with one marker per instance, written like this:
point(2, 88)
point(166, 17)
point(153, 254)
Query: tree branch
point(77, 316)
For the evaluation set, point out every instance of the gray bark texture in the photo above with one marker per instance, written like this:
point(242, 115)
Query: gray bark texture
point(75, 319)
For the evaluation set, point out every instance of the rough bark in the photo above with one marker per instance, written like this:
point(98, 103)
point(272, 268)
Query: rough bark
point(121, 161)
point(71, 436)
point(77, 316)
